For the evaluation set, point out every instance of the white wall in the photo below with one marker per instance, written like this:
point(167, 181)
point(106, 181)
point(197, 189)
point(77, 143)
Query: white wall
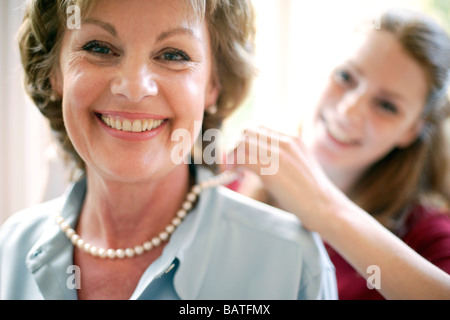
point(297, 41)
point(24, 135)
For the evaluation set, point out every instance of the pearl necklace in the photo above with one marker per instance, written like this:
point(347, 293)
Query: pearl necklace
point(188, 204)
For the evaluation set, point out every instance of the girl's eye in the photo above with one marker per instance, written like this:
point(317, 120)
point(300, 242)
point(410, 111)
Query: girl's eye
point(387, 106)
point(344, 76)
point(98, 48)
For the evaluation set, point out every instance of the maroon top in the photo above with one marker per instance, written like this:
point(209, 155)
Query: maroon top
point(426, 231)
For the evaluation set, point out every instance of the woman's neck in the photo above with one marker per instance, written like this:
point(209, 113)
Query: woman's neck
point(117, 214)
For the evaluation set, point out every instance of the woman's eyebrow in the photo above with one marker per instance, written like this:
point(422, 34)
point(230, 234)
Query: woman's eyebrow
point(105, 25)
point(163, 35)
point(392, 95)
point(176, 31)
point(355, 67)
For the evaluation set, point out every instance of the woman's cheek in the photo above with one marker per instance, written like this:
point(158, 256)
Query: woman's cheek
point(186, 96)
point(82, 87)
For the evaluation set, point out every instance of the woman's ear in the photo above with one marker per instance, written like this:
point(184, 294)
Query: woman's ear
point(56, 81)
point(411, 135)
point(213, 90)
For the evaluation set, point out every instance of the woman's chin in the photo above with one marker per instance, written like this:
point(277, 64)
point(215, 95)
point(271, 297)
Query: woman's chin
point(130, 173)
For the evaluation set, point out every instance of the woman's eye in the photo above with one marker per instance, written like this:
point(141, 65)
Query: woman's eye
point(174, 55)
point(344, 76)
point(98, 48)
point(387, 106)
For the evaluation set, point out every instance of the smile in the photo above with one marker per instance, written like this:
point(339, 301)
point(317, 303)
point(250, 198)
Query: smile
point(338, 135)
point(131, 125)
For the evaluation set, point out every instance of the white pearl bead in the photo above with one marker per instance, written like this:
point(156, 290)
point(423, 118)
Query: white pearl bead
point(170, 228)
point(187, 205)
point(80, 243)
point(129, 252)
point(148, 245)
point(176, 221)
point(59, 220)
point(102, 253)
point(139, 250)
point(74, 238)
point(120, 253)
point(196, 189)
point(94, 251)
point(70, 232)
point(87, 247)
point(64, 226)
point(111, 253)
point(181, 213)
point(191, 196)
point(156, 241)
point(164, 236)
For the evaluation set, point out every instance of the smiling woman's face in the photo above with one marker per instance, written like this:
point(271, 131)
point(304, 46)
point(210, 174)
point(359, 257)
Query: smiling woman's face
point(371, 104)
point(135, 72)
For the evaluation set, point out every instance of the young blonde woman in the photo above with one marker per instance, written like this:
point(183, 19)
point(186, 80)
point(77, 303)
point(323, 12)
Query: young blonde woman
point(371, 164)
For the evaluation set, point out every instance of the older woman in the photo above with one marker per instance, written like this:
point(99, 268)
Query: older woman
point(137, 225)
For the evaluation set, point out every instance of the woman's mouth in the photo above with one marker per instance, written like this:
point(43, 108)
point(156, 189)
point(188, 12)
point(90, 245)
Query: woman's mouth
point(338, 135)
point(131, 125)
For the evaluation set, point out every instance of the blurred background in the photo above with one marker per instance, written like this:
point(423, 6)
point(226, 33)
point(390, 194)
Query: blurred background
point(296, 40)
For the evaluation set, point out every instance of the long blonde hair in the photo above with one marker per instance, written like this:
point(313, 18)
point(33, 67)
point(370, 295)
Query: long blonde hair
point(420, 172)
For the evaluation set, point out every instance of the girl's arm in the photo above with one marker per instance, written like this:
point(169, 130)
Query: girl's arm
point(300, 186)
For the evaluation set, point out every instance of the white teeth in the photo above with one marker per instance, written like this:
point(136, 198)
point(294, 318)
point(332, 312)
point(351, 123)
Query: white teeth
point(137, 125)
point(126, 125)
point(144, 125)
point(117, 124)
point(339, 135)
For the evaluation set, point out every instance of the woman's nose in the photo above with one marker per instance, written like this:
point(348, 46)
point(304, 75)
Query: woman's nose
point(353, 104)
point(134, 81)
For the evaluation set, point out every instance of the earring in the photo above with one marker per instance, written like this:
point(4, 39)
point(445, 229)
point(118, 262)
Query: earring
point(212, 109)
point(54, 97)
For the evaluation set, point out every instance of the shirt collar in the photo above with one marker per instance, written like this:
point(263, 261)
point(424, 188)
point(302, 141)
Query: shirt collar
point(52, 254)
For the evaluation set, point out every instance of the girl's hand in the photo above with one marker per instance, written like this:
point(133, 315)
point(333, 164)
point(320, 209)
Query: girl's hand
point(298, 184)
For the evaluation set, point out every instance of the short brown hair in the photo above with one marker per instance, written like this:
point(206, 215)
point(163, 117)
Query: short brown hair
point(231, 27)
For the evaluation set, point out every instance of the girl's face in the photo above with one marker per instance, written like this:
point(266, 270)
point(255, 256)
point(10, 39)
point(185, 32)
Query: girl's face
point(134, 73)
point(371, 104)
